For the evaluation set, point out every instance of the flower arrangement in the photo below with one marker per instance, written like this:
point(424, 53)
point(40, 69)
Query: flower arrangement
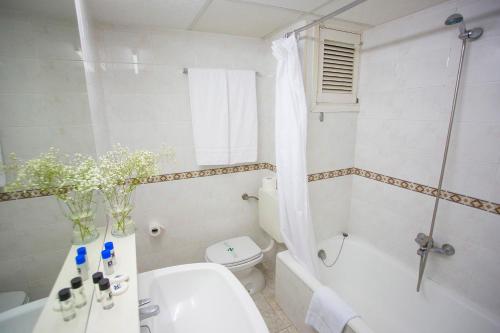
point(72, 179)
point(121, 171)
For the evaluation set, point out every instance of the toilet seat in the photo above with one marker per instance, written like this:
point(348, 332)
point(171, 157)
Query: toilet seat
point(236, 253)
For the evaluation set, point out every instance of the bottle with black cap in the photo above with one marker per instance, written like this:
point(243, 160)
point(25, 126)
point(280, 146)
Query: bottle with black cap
point(96, 277)
point(67, 304)
point(78, 292)
point(106, 296)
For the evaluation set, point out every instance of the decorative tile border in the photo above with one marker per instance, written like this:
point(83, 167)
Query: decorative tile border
point(8, 196)
point(488, 206)
point(329, 174)
point(462, 199)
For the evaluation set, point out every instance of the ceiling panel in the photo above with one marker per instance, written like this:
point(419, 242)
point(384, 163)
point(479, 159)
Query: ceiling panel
point(301, 5)
point(375, 12)
point(170, 14)
point(243, 19)
point(58, 9)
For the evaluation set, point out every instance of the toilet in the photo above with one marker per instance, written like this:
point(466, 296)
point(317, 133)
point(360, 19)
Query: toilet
point(241, 254)
point(12, 299)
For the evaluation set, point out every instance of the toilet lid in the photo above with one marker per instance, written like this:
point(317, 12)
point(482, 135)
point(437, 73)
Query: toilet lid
point(233, 251)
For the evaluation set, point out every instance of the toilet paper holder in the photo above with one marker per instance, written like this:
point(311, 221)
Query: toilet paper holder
point(245, 196)
point(155, 229)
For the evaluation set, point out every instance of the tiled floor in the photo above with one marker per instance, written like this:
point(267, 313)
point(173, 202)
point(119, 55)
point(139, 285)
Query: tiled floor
point(275, 318)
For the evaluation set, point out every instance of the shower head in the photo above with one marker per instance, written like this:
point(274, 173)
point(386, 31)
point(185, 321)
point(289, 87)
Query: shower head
point(472, 34)
point(454, 19)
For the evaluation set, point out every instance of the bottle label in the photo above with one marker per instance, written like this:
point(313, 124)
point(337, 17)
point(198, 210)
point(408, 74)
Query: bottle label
point(79, 270)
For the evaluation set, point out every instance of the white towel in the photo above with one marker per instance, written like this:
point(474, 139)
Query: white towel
point(224, 115)
point(242, 116)
point(210, 116)
point(2, 174)
point(328, 313)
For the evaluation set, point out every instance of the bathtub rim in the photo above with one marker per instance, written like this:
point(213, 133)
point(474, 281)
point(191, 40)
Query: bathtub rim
point(357, 324)
point(361, 327)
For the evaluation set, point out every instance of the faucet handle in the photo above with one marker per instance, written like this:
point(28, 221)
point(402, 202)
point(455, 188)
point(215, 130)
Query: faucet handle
point(144, 301)
point(423, 240)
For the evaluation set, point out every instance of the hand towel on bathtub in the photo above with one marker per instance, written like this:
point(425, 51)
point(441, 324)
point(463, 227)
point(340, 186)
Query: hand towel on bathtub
point(328, 313)
point(242, 116)
point(210, 115)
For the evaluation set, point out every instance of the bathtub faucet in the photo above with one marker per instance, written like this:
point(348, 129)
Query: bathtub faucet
point(149, 311)
point(427, 246)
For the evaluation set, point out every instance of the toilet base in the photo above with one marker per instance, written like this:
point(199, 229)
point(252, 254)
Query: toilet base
point(252, 279)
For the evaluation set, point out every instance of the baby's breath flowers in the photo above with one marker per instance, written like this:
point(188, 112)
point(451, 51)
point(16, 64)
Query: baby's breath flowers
point(73, 179)
point(121, 171)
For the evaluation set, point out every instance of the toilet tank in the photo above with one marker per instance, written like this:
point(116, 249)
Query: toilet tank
point(269, 219)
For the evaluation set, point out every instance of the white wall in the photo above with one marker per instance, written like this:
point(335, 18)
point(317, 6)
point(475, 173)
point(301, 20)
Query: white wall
point(330, 146)
point(93, 77)
point(408, 70)
point(43, 103)
point(151, 107)
point(43, 97)
point(147, 106)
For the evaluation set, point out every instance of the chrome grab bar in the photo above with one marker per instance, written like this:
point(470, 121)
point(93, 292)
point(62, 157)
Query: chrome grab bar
point(245, 196)
point(144, 301)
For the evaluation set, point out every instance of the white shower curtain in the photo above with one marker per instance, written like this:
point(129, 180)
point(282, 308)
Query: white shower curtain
point(290, 141)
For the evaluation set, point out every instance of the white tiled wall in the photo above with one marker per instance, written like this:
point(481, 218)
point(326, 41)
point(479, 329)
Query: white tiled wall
point(330, 146)
point(147, 107)
point(43, 103)
point(408, 70)
point(43, 97)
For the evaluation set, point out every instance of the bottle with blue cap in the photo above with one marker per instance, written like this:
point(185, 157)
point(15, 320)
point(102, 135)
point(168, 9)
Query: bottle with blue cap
point(107, 262)
point(81, 267)
point(82, 250)
point(110, 246)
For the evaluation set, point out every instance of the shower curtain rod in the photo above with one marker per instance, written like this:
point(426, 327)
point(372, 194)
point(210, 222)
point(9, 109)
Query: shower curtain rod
point(324, 18)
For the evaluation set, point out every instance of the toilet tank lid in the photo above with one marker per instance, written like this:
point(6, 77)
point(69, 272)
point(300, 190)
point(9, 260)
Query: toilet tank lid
point(11, 299)
point(233, 251)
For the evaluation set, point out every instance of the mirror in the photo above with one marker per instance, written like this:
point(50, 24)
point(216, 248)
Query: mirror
point(43, 103)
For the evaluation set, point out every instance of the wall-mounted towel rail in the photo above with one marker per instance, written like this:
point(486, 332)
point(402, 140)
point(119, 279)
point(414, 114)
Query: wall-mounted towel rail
point(186, 70)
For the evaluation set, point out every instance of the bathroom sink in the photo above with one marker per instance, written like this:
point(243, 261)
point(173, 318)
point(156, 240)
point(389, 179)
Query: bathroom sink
point(201, 297)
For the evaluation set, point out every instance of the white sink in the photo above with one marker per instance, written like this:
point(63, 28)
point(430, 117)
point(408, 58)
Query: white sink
point(201, 297)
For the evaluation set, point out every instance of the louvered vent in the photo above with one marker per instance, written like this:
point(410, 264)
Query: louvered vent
point(338, 67)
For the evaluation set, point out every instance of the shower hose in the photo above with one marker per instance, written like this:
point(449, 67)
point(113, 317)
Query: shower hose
point(323, 257)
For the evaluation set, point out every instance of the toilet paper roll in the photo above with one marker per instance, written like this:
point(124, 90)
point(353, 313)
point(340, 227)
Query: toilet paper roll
point(155, 229)
point(269, 183)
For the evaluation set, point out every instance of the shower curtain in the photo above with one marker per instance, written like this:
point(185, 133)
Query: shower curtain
point(290, 145)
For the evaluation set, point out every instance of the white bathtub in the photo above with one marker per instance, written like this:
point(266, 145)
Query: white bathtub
point(380, 289)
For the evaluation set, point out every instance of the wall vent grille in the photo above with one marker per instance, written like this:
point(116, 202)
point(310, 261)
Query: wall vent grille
point(338, 67)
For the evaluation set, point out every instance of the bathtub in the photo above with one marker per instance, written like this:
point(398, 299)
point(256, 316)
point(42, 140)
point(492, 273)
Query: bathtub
point(380, 289)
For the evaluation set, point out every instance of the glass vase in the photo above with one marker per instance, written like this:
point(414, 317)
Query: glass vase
point(123, 225)
point(84, 229)
point(79, 208)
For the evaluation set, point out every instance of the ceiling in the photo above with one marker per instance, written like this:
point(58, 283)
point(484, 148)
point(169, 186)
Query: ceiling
point(57, 9)
point(253, 18)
